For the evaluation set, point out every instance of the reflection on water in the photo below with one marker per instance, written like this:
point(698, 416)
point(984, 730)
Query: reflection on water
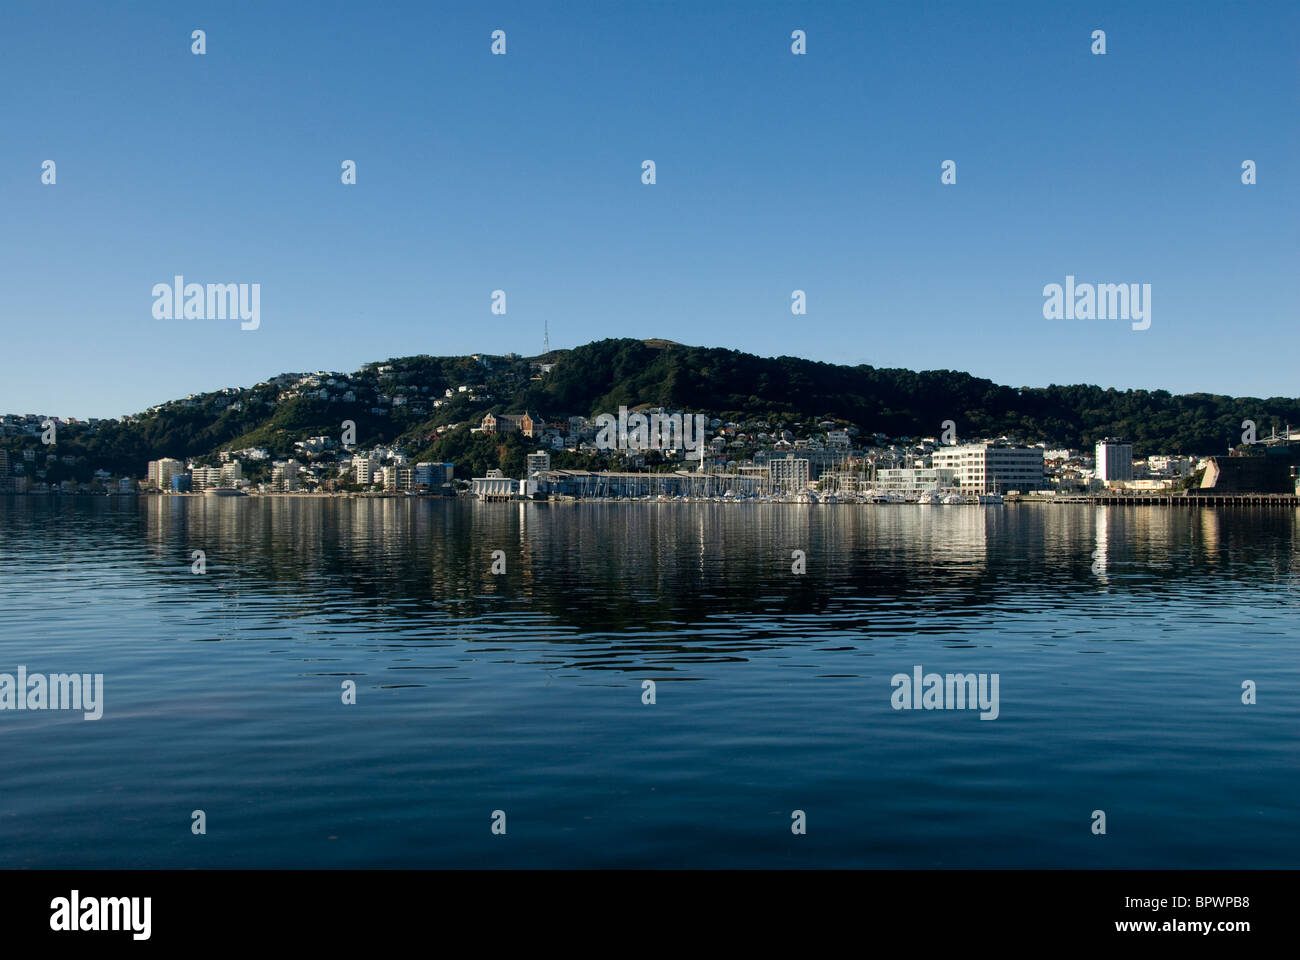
point(1122, 636)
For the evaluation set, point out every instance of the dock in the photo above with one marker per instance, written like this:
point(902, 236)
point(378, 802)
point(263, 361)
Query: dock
point(1182, 499)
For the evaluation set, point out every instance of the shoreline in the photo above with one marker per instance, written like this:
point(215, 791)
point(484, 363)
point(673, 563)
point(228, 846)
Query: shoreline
point(1107, 500)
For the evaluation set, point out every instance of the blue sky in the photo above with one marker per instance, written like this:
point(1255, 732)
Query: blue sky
point(522, 172)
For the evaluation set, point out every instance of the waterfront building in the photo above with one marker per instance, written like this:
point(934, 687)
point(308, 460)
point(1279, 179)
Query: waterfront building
point(992, 467)
point(367, 468)
point(1148, 484)
point(538, 462)
point(434, 476)
point(203, 478)
point(1257, 474)
point(284, 475)
point(833, 459)
point(912, 480)
point(790, 474)
point(494, 488)
point(162, 471)
point(614, 485)
point(1114, 460)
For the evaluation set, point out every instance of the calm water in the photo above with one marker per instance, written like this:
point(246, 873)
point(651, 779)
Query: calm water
point(1120, 689)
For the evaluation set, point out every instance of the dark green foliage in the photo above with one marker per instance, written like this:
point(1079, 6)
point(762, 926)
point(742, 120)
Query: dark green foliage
point(598, 377)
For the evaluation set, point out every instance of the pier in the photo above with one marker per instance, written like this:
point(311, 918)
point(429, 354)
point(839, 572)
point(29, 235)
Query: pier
point(1179, 499)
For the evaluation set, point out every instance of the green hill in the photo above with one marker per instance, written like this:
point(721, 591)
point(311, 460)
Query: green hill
point(404, 401)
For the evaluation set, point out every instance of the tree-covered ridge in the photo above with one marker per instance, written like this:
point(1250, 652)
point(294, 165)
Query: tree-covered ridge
point(740, 386)
point(406, 401)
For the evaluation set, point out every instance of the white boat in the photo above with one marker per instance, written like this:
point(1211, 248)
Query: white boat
point(929, 497)
point(952, 498)
point(990, 498)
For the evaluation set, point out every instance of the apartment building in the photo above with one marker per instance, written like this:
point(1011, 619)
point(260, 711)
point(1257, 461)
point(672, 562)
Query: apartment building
point(1114, 460)
point(992, 467)
point(162, 471)
point(790, 473)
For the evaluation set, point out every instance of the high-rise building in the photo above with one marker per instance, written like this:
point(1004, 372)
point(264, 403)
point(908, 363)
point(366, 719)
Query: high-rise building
point(433, 475)
point(162, 471)
point(790, 474)
point(992, 467)
point(284, 475)
point(1114, 460)
point(538, 462)
point(203, 478)
point(367, 468)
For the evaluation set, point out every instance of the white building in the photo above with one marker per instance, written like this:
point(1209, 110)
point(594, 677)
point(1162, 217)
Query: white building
point(284, 475)
point(991, 467)
point(201, 478)
point(790, 474)
point(538, 462)
point(915, 480)
point(162, 471)
point(1170, 466)
point(1114, 461)
point(314, 445)
point(495, 488)
point(367, 468)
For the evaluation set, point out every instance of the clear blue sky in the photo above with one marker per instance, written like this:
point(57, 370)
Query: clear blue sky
point(522, 172)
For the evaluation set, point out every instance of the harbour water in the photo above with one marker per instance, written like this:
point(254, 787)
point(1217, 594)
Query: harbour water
point(1121, 636)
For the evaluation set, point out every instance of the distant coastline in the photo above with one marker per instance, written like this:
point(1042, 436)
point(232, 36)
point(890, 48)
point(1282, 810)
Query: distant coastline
point(1137, 498)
